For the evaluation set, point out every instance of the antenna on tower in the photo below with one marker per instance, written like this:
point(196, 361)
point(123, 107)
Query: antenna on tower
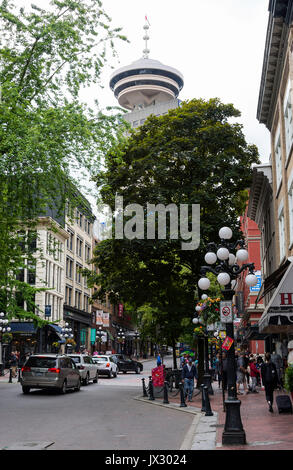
point(146, 37)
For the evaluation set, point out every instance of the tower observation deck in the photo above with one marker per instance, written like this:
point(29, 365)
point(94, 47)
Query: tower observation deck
point(145, 82)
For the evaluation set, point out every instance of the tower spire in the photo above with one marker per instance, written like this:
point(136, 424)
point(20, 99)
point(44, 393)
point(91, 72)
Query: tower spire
point(146, 37)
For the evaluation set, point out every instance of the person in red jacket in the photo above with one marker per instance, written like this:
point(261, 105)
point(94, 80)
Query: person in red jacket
point(254, 373)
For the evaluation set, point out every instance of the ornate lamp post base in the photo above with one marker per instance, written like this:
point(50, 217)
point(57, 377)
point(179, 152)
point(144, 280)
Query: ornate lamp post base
point(207, 380)
point(233, 432)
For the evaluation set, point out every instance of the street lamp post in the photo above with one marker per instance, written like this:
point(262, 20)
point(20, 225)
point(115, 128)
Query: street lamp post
point(227, 271)
point(121, 336)
point(4, 328)
point(66, 332)
point(207, 378)
point(136, 336)
point(99, 334)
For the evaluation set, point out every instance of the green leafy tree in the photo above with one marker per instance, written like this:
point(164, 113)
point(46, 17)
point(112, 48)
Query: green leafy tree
point(192, 155)
point(46, 132)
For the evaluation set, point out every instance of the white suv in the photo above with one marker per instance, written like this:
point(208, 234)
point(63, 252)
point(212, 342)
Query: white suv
point(87, 368)
point(106, 365)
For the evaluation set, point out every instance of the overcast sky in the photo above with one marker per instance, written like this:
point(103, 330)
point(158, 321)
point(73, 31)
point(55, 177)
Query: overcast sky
point(217, 45)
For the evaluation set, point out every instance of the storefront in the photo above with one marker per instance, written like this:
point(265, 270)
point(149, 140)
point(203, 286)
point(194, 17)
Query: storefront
point(80, 322)
point(24, 340)
point(277, 319)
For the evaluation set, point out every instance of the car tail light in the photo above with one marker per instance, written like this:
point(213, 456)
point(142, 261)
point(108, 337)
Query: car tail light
point(108, 364)
point(55, 370)
point(25, 369)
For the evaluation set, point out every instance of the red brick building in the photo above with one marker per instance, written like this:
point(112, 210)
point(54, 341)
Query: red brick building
point(247, 296)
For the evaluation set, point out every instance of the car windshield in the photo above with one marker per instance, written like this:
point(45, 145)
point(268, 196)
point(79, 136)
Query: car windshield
point(45, 362)
point(76, 359)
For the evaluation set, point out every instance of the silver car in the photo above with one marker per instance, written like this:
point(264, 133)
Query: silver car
point(50, 371)
point(87, 368)
point(106, 365)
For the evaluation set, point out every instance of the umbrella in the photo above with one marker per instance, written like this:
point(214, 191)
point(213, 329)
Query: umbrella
point(189, 353)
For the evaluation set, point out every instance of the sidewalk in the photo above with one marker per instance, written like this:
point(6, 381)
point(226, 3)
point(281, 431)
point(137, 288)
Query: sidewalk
point(264, 430)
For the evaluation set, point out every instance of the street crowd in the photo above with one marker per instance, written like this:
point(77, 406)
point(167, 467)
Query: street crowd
point(252, 371)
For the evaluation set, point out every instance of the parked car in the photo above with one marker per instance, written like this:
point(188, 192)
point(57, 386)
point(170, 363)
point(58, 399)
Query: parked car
point(106, 365)
point(49, 371)
point(87, 368)
point(126, 364)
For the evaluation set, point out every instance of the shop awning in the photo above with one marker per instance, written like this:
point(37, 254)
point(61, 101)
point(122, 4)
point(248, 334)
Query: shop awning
point(58, 330)
point(278, 314)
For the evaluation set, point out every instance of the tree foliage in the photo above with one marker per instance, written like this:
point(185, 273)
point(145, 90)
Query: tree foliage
point(192, 155)
point(46, 132)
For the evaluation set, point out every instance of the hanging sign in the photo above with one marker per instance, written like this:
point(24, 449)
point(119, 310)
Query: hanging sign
point(226, 311)
point(227, 343)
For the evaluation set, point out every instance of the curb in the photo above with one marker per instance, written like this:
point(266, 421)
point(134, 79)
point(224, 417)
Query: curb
point(202, 433)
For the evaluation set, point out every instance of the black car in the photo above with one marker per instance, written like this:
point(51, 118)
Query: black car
point(126, 364)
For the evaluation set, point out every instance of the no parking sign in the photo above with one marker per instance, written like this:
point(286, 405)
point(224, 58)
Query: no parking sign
point(226, 311)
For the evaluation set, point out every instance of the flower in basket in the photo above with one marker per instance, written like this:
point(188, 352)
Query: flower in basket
point(56, 344)
point(71, 341)
point(7, 337)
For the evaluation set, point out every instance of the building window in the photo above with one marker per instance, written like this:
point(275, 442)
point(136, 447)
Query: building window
point(68, 295)
point(70, 240)
point(79, 246)
point(69, 267)
point(78, 299)
point(87, 253)
point(282, 234)
point(86, 303)
point(290, 202)
point(278, 160)
point(288, 119)
point(78, 275)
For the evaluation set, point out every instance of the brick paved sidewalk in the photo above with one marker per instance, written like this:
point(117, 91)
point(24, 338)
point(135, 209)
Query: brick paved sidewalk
point(264, 430)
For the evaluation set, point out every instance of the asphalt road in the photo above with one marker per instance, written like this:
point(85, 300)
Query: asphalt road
point(103, 416)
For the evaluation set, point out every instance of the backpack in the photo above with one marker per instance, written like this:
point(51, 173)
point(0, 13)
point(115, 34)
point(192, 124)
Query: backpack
point(269, 373)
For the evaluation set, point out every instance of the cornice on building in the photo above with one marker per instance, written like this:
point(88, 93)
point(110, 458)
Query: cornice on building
point(280, 18)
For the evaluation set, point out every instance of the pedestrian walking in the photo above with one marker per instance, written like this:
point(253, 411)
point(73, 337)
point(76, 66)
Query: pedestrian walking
point(269, 379)
point(189, 373)
point(218, 369)
point(241, 372)
point(13, 363)
point(254, 374)
point(183, 360)
point(278, 361)
point(159, 360)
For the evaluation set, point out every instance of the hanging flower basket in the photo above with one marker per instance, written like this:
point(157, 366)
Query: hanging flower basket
point(7, 338)
point(71, 342)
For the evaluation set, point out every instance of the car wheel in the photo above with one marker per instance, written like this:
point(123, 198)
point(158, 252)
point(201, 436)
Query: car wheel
point(95, 381)
point(63, 389)
point(77, 389)
point(86, 380)
point(115, 373)
point(111, 374)
point(25, 390)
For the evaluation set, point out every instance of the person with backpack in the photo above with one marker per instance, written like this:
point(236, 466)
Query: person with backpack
point(269, 379)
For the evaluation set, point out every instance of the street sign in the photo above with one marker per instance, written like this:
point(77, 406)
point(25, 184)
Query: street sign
point(48, 310)
point(226, 311)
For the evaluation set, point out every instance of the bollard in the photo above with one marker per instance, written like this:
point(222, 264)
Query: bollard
point(166, 401)
point(145, 393)
point(10, 376)
point(151, 389)
point(208, 409)
point(182, 404)
point(203, 404)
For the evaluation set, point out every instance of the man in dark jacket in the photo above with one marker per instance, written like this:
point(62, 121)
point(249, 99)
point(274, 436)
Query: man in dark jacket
point(189, 373)
point(269, 378)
